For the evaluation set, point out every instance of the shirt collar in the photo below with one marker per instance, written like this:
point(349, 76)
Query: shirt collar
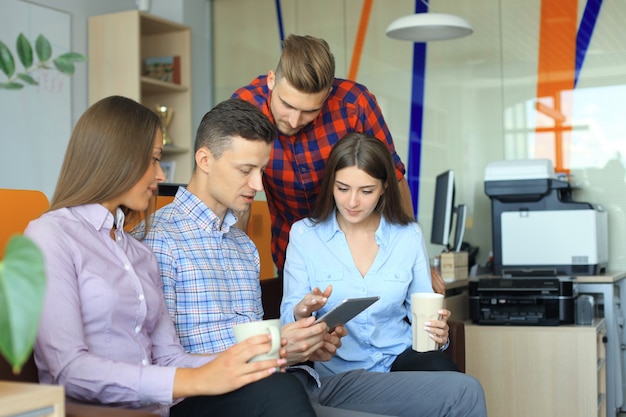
point(202, 215)
point(98, 216)
point(330, 227)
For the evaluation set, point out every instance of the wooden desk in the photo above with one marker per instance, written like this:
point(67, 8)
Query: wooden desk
point(609, 277)
point(609, 289)
point(19, 398)
point(539, 370)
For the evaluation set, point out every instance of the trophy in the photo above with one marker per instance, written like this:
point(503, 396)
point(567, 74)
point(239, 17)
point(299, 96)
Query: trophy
point(165, 114)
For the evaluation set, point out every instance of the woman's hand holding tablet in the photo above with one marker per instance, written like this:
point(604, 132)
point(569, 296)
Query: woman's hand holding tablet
point(345, 311)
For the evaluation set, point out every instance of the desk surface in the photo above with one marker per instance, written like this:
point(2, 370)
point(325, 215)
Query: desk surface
point(598, 323)
point(606, 278)
point(19, 398)
point(462, 283)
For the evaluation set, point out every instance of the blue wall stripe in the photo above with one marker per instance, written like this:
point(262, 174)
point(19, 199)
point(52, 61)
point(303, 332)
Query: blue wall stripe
point(279, 19)
point(585, 31)
point(417, 115)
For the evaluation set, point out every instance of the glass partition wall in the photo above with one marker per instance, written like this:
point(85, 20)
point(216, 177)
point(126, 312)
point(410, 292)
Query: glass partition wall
point(528, 83)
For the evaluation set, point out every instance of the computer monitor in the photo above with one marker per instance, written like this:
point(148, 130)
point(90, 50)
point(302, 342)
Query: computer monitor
point(445, 212)
point(459, 230)
point(169, 189)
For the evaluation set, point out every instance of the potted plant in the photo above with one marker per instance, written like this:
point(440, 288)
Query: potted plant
point(43, 50)
point(22, 286)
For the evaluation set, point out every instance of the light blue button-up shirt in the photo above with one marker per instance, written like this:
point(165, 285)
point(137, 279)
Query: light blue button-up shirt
point(318, 255)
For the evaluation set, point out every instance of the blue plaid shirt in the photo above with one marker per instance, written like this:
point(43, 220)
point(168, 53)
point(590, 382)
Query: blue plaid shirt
point(210, 272)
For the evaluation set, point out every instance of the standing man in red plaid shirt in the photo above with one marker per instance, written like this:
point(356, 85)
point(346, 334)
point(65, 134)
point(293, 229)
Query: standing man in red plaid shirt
point(312, 110)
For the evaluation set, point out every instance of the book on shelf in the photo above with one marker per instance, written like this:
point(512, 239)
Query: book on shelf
point(163, 68)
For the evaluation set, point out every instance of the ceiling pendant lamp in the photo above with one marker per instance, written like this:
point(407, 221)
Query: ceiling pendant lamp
point(427, 27)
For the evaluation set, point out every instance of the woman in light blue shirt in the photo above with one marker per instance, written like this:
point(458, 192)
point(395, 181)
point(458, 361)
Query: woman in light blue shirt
point(359, 242)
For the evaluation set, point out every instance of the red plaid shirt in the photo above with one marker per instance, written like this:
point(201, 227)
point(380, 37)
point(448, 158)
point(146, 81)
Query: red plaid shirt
point(293, 177)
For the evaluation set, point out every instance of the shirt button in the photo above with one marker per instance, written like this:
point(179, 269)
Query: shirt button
point(141, 297)
point(137, 329)
point(127, 267)
point(119, 238)
point(304, 169)
point(144, 362)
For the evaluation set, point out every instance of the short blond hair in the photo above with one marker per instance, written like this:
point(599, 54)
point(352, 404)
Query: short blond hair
point(307, 64)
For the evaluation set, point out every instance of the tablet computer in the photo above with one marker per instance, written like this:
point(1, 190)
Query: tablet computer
point(345, 311)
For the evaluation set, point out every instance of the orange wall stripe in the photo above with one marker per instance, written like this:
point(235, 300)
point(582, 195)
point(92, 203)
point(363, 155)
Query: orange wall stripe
point(557, 67)
point(360, 39)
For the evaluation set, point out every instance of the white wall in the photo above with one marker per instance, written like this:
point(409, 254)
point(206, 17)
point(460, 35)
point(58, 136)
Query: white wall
point(194, 13)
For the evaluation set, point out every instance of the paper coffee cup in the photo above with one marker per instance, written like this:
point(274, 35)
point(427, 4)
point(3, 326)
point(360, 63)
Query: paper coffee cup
point(424, 307)
point(244, 331)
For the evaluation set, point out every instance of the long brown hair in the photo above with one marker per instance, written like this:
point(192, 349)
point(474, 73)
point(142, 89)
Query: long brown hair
point(108, 153)
point(371, 156)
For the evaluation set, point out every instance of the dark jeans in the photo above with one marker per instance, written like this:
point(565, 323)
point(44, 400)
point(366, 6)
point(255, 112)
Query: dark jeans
point(275, 396)
point(410, 360)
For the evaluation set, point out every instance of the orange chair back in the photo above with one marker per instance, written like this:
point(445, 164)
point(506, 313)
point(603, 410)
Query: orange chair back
point(17, 209)
point(163, 200)
point(260, 231)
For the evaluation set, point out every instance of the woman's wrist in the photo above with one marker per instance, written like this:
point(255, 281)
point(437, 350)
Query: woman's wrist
point(298, 316)
point(306, 313)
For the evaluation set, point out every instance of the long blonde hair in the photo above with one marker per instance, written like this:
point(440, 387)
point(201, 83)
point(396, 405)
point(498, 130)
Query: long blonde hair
point(109, 151)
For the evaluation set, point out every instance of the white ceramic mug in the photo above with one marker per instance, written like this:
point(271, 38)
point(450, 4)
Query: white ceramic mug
point(244, 331)
point(424, 307)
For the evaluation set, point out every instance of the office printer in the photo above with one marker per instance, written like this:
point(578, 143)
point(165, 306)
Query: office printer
point(538, 301)
point(537, 228)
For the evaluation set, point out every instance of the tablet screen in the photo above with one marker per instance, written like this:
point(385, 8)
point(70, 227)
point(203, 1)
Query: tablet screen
point(346, 310)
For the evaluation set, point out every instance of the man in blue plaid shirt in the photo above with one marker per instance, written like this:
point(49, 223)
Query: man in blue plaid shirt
point(210, 271)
